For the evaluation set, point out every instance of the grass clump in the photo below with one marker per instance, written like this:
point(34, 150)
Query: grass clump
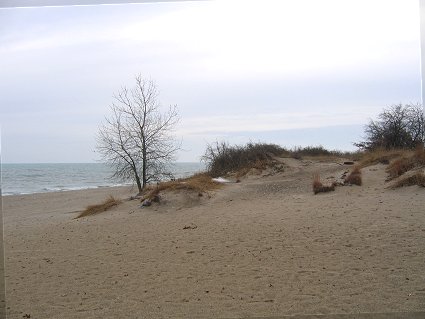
point(416, 179)
point(200, 182)
point(355, 177)
point(98, 208)
point(408, 161)
point(222, 158)
point(380, 156)
point(400, 166)
point(318, 187)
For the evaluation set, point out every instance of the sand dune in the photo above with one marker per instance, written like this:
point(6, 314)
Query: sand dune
point(264, 247)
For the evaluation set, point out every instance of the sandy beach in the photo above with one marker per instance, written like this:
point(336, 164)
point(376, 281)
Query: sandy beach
point(260, 248)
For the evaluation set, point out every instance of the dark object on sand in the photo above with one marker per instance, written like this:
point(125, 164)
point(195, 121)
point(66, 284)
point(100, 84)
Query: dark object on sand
point(146, 203)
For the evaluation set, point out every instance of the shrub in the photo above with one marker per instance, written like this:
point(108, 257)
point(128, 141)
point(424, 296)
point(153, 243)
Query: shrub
point(299, 152)
point(397, 127)
point(221, 158)
point(98, 208)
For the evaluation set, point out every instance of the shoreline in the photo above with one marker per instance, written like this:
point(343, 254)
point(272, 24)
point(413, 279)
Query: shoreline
point(70, 190)
point(54, 204)
point(38, 178)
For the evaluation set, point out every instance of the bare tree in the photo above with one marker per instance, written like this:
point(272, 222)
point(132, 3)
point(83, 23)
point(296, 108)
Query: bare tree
point(137, 138)
point(397, 127)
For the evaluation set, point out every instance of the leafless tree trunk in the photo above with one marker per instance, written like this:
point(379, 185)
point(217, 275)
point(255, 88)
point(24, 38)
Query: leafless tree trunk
point(137, 138)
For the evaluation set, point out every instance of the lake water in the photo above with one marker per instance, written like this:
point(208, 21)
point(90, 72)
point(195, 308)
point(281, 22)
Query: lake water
point(42, 178)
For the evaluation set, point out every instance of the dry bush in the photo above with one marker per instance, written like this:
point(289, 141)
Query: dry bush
point(416, 179)
point(201, 182)
point(318, 187)
point(222, 158)
point(98, 208)
point(398, 126)
point(355, 177)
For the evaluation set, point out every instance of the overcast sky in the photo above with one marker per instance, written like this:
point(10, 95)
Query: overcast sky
point(295, 72)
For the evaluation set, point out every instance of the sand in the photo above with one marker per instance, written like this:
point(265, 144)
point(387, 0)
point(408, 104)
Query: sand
point(260, 248)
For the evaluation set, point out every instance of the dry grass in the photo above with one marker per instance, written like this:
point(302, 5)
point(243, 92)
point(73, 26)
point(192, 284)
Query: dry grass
point(420, 152)
point(355, 177)
point(317, 184)
point(322, 158)
point(382, 156)
point(318, 187)
point(222, 158)
point(98, 208)
point(259, 166)
point(408, 161)
point(419, 155)
point(416, 179)
point(400, 166)
point(201, 183)
point(318, 153)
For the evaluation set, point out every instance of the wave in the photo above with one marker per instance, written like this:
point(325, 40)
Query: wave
point(21, 179)
point(62, 189)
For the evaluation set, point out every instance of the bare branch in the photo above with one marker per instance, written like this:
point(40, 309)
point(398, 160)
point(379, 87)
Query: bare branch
point(137, 138)
point(397, 127)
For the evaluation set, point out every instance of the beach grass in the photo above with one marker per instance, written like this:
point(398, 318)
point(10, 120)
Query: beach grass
point(318, 187)
point(99, 208)
point(381, 156)
point(407, 162)
point(200, 182)
point(355, 177)
point(416, 179)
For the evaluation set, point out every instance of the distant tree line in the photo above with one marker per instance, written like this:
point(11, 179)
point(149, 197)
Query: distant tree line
point(397, 126)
